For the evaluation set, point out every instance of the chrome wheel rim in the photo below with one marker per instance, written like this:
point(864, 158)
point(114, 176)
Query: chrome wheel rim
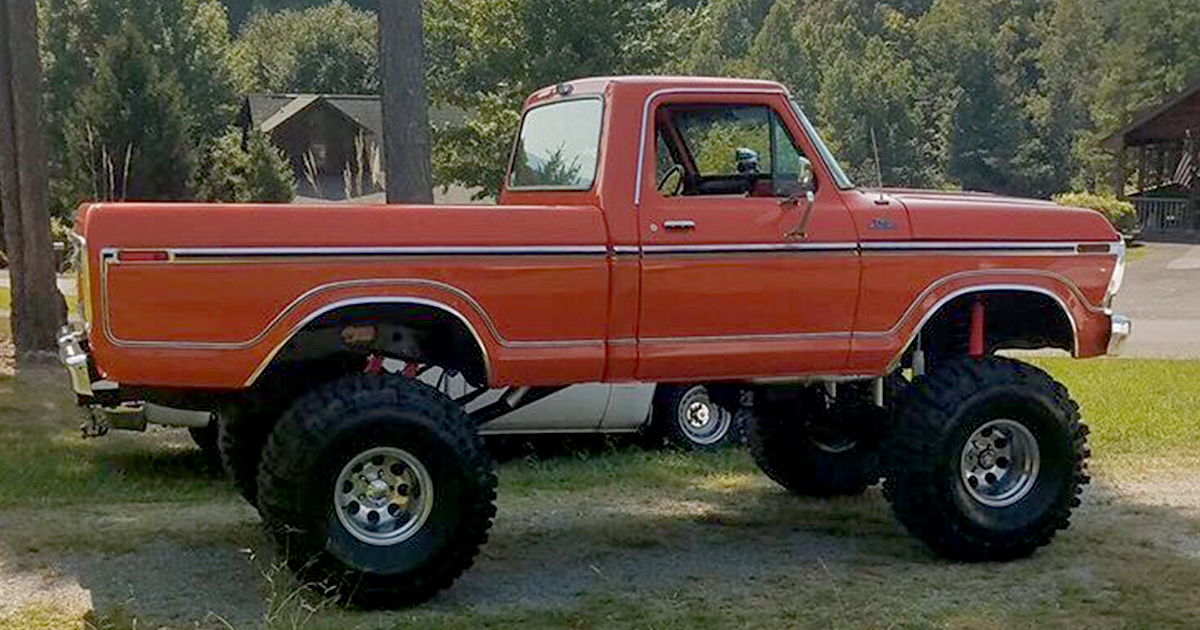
point(700, 420)
point(1000, 463)
point(383, 496)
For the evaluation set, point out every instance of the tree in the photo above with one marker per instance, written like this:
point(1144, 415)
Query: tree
point(188, 39)
point(246, 168)
point(1068, 59)
point(129, 137)
point(330, 49)
point(727, 32)
point(406, 146)
point(36, 304)
point(476, 153)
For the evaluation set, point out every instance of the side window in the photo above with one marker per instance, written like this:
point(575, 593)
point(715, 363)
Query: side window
point(726, 141)
point(790, 166)
point(727, 150)
point(668, 171)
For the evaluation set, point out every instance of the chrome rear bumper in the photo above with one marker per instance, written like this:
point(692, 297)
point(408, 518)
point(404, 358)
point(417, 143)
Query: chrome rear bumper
point(100, 412)
point(75, 359)
point(1120, 330)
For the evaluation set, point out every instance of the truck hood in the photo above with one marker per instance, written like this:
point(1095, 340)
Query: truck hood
point(937, 215)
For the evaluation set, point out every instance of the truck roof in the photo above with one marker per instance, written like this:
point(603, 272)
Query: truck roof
point(649, 83)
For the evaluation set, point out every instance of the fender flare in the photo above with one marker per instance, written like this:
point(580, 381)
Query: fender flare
point(992, 288)
point(316, 314)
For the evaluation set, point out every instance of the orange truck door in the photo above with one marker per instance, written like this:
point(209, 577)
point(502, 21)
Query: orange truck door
point(730, 287)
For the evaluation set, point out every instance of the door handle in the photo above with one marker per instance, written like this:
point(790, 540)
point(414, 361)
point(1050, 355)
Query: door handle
point(680, 224)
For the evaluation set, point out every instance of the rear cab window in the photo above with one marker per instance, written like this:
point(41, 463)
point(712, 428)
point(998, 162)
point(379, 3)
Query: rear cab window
point(558, 146)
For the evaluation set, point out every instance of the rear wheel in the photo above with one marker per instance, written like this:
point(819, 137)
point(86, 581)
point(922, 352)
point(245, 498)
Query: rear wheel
point(378, 485)
point(205, 438)
point(987, 459)
point(242, 431)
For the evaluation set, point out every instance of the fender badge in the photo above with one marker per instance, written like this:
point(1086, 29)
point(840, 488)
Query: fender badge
point(882, 223)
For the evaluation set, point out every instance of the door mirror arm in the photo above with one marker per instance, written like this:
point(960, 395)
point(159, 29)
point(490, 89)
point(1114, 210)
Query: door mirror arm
point(794, 201)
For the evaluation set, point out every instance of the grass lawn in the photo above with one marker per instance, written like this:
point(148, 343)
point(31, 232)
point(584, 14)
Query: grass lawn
point(607, 535)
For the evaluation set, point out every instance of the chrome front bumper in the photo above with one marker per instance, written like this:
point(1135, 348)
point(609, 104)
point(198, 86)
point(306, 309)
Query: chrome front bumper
point(1120, 330)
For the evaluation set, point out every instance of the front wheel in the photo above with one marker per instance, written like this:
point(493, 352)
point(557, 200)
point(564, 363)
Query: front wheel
point(986, 459)
point(379, 486)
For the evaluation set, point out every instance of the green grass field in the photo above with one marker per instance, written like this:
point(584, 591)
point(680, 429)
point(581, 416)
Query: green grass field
point(609, 504)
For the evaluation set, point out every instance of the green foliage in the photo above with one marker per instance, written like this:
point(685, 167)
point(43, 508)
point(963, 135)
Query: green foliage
point(129, 134)
point(256, 172)
point(187, 40)
point(1001, 95)
point(476, 153)
point(328, 49)
point(1121, 214)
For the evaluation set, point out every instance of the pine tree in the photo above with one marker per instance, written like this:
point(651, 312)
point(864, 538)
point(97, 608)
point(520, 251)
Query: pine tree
point(129, 137)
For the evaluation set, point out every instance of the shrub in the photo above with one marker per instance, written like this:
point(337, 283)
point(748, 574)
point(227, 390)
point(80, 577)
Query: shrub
point(1120, 213)
point(257, 172)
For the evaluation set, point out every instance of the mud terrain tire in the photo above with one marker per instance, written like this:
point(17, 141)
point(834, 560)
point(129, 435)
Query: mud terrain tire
point(789, 451)
point(986, 459)
point(416, 462)
point(242, 431)
point(205, 438)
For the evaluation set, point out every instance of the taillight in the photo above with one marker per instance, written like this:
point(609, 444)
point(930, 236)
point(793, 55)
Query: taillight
point(143, 255)
point(83, 293)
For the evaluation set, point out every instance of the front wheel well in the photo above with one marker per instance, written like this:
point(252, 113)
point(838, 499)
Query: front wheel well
point(1013, 319)
point(338, 341)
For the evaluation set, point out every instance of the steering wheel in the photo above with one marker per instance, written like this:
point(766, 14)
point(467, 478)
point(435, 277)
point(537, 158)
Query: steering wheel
point(666, 177)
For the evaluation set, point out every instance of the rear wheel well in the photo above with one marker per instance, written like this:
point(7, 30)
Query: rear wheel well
point(339, 341)
point(1013, 319)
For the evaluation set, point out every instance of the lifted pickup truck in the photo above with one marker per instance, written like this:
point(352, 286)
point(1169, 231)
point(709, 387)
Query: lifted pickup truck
point(650, 229)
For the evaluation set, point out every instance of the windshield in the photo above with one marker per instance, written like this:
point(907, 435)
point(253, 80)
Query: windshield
point(839, 176)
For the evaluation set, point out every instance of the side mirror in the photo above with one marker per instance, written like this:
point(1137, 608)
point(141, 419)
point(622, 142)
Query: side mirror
point(804, 187)
point(794, 185)
point(747, 160)
point(807, 182)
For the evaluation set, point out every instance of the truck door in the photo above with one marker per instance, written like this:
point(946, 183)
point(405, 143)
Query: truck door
point(733, 285)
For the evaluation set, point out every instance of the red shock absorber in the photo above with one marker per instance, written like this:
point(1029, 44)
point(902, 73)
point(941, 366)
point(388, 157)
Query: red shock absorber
point(374, 364)
point(976, 346)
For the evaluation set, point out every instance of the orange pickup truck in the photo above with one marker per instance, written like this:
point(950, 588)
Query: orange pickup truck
point(650, 229)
